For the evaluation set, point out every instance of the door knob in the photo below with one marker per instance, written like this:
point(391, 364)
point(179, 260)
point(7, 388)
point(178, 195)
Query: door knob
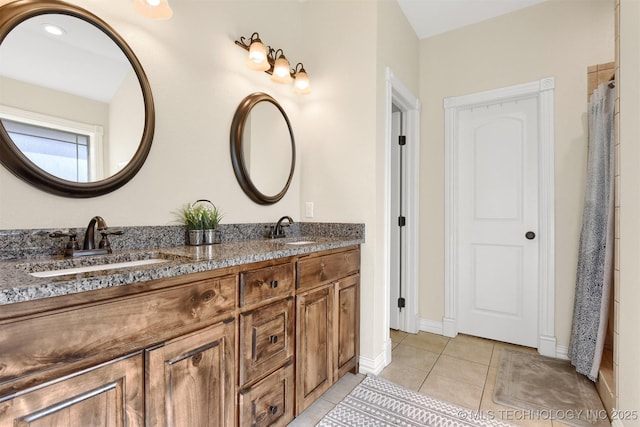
point(530, 235)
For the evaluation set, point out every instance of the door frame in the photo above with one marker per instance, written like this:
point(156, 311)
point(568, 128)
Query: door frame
point(398, 94)
point(543, 90)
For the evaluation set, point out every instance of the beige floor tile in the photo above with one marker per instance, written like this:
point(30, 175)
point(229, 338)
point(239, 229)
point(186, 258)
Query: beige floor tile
point(426, 341)
point(413, 357)
point(313, 414)
point(461, 370)
point(397, 336)
point(490, 383)
point(398, 373)
point(450, 390)
point(470, 348)
point(339, 390)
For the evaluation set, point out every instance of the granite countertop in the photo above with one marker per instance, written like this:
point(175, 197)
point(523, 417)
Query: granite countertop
point(17, 285)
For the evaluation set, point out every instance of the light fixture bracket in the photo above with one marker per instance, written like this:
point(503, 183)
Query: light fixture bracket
point(272, 55)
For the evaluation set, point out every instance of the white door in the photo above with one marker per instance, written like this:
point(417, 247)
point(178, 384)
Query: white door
point(497, 196)
point(398, 239)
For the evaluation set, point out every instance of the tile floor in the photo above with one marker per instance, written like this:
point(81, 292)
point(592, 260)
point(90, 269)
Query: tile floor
point(460, 370)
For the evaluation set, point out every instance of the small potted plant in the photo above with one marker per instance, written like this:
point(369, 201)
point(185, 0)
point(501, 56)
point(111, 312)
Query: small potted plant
point(191, 216)
point(211, 217)
point(201, 222)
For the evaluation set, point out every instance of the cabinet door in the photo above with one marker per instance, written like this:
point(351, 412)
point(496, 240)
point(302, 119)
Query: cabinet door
point(269, 402)
point(266, 339)
point(348, 325)
point(190, 380)
point(111, 394)
point(314, 345)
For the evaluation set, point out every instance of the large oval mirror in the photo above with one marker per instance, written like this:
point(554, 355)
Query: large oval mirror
point(263, 151)
point(76, 110)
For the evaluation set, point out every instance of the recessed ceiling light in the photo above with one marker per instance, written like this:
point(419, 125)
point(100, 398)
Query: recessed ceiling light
point(53, 29)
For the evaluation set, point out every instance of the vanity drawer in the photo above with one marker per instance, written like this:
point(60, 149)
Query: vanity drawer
point(316, 271)
point(270, 401)
point(265, 283)
point(266, 339)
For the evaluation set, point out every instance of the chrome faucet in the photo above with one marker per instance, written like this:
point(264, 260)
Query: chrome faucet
point(72, 248)
point(276, 231)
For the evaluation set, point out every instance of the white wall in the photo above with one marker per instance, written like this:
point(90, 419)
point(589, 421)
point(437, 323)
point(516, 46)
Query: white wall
point(628, 344)
point(555, 38)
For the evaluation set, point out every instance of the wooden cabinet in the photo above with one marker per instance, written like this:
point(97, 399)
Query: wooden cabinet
point(347, 336)
point(267, 345)
point(110, 394)
point(327, 322)
point(269, 402)
point(314, 356)
point(63, 364)
point(249, 345)
point(191, 379)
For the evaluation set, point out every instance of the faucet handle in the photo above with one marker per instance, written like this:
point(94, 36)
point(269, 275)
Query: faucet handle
point(72, 244)
point(71, 234)
point(104, 242)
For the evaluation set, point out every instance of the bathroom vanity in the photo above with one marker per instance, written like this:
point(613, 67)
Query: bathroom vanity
point(244, 333)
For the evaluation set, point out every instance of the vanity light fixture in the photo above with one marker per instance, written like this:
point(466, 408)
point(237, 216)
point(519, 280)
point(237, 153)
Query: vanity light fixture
point(273, 62)
point(154, 9)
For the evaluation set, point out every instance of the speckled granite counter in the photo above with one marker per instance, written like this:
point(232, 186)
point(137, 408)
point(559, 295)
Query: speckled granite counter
point(17, 285)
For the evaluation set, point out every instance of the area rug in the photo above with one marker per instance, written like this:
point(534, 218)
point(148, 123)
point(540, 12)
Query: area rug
point(376, 402)
point(547, 389)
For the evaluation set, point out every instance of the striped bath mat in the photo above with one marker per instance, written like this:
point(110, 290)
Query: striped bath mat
point(377, 402)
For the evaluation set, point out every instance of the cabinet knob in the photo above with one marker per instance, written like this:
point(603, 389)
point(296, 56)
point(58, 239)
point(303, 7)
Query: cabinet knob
point(273, 339)
point(274, 284)
point(273, 410)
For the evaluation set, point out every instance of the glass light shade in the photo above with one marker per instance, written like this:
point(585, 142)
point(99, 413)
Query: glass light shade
point(258, 56)
point(154, 9)
point(301, 83)
point(281, 70)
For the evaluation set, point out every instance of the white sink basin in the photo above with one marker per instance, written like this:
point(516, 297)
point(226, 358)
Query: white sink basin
point(97, 267)
point(301, 242)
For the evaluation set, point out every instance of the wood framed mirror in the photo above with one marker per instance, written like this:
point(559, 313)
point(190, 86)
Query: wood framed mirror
point(263, 150)
point(76, 110)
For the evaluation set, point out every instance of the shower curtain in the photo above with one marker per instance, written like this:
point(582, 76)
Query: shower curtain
point(595, 267)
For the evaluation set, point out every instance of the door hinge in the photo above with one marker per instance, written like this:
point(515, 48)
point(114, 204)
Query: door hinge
point(402, 221)
point(402, 140)
point(400, 302)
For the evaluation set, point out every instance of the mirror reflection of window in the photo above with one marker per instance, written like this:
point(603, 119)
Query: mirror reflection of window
point(68, 150)
point(60, 153)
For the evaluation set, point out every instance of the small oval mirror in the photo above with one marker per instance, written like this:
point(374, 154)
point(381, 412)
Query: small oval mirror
point(262, 148)
point(76, 110)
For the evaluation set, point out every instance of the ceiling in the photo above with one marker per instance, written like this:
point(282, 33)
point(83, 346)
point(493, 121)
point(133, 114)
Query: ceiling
point(431, 17)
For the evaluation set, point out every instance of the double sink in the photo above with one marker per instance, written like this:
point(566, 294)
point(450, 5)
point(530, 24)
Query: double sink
point(61, 267)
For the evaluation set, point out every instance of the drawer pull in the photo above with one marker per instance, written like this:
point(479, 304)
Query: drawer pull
point(273, 339)
point(274, 284)
point(273, 410)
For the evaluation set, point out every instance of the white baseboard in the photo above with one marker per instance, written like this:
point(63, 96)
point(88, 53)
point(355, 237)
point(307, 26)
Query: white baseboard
point(562, 352)
point(372, 366)
point(547, 345)
point(432, 326)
